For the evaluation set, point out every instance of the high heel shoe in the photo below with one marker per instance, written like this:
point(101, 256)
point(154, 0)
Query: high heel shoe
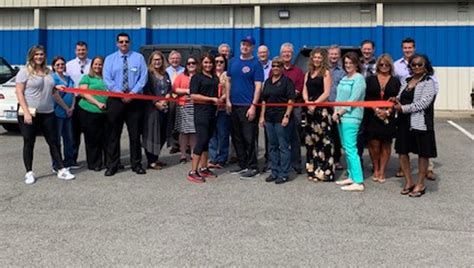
point(417, 193)
point(408, 190)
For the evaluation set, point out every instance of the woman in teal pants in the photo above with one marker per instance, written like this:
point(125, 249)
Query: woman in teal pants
point(350, 88)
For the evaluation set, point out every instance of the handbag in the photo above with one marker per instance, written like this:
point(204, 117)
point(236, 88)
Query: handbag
point(22, 112)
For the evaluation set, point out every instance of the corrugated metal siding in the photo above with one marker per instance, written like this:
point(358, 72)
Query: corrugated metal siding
point(446, 36)
point(16, 19)
point(189, 17)
point(319, 16)
point(427, 15)
point(16, 34)
point(93, 18)
point(79, 3)
point(455, 88)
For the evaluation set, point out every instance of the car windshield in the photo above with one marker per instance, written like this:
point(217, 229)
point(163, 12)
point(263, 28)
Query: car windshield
point(6, 71)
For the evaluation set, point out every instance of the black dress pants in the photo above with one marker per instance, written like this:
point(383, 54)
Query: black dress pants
point(76, 129)
point(131, 113)
point(94, 126)
point(244, 135)
point(47, 124)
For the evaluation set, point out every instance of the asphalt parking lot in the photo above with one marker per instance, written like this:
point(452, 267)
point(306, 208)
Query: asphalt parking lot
point(161, 219)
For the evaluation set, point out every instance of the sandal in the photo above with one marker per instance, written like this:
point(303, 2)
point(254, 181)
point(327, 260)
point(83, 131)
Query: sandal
point(430, 176)
point(399, 174)
point(375, 178)
point(417, 193)
point(381, 180)
point(408, 190)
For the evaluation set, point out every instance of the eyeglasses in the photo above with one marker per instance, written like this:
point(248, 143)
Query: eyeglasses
point(384, 65)
point(220, 62)
point(276, 65)
point(417, 65)
point(124, 41)
point(191, 63)
point(59, 64)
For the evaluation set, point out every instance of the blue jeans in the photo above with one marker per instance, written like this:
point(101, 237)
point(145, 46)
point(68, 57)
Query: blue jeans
point(279, 148)
point(219, 143)
point(64, 129)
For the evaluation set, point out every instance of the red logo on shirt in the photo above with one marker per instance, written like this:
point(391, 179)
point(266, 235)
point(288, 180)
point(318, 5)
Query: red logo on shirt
point(245, 69)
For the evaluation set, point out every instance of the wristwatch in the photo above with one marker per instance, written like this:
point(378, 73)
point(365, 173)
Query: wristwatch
point(287, 116)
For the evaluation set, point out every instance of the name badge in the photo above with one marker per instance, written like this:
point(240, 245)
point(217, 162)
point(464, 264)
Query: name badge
point(134, 69)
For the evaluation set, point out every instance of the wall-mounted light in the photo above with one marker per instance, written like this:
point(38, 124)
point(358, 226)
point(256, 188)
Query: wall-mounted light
point(284, 14)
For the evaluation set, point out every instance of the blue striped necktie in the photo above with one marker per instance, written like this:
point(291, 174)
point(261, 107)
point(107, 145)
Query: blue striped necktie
point(125, 74)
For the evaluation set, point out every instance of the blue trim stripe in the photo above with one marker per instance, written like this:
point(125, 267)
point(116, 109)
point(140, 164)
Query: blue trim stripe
point(450, 46)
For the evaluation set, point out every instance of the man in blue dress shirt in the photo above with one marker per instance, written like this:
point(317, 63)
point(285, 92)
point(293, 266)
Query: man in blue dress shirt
point(125, 71)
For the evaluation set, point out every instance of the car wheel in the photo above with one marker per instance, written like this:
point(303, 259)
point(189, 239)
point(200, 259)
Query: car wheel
point(11, 127)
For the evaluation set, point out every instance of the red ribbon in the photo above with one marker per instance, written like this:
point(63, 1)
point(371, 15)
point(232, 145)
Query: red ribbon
point(182, 100)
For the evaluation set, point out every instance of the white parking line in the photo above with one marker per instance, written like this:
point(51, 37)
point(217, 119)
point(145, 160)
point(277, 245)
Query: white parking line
point(467, 133)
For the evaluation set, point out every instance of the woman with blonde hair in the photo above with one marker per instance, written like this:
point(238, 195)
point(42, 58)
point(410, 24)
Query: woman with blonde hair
point(379, 123)
point(34, 90)
point(156, 112)
point(319, 145)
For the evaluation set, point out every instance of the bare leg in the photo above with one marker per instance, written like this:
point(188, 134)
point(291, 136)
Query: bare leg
point(406, 168)
point(195, 162)
point(374, 151)
point(204, 159)
point(183, 142)
point(384, 157)
point(422, 169)
point(192, 142)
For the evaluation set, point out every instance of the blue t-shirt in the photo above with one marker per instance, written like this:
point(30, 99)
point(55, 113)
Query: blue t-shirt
point(243, 75)
point(67, 97)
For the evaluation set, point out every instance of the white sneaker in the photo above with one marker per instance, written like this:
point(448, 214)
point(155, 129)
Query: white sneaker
point(30, 177)
point(355, 187)
point(65, 174)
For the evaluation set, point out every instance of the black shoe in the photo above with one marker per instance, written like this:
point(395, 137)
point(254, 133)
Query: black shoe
point(120, 166)
point(298, 170)
point(281, 180)
point(110, 172)
point(139, 170)
point(97, 169)
point(270, 178)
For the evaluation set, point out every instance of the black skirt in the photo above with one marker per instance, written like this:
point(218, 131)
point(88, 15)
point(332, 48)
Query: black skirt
point(420, 142)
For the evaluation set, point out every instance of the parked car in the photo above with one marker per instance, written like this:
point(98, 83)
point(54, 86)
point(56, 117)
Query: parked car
point(8, 100)
point(185, 49)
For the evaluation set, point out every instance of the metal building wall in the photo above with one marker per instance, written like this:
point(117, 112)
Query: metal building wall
point(441, 31)
point(16, 33)
point(321, 25)
point(446, 35)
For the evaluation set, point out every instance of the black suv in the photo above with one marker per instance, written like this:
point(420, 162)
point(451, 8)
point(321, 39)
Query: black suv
point(185, 49)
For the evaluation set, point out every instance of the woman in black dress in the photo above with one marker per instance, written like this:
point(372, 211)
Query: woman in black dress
point(379, 123)
point(415, 107)
point(156, 118)
point(319, 144)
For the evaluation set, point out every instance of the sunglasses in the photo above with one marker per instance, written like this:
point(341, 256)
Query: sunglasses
point(124, 41)
point(59, 64)
point(417, 65)
point(384, 65)
point(276, 65)
point(220, 61)
point(191, 63)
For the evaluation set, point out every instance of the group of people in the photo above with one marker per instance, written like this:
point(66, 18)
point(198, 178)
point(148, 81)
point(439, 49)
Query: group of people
point(228, 98)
